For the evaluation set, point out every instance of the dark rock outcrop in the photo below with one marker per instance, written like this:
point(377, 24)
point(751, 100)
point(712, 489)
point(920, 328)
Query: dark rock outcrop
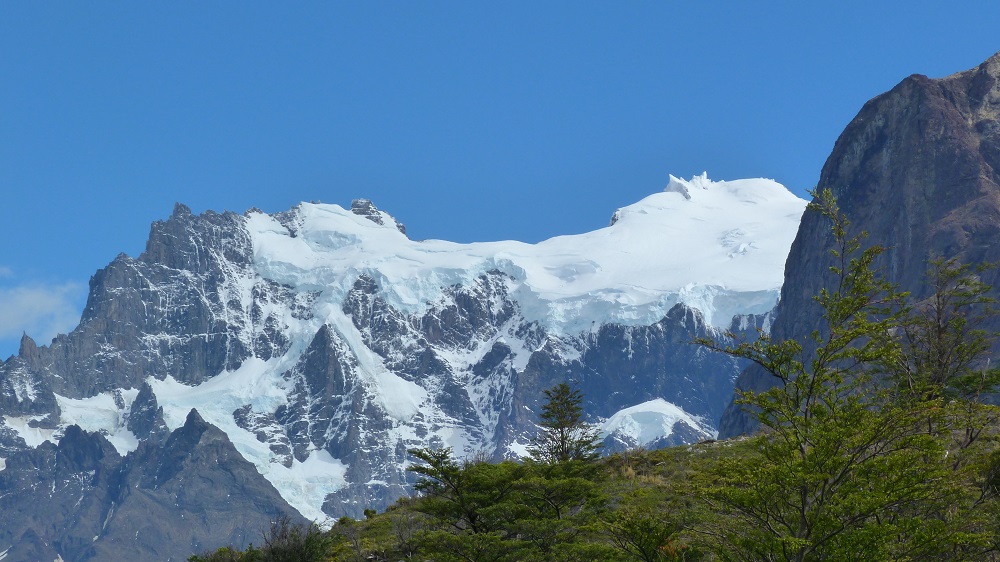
point(80, 500)
point(918, 169)
point(193, 493)
point(367, 209)
point(180, 309)
point(146, 416)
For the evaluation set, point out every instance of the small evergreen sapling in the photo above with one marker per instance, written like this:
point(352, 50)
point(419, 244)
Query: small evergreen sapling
point(564, 435)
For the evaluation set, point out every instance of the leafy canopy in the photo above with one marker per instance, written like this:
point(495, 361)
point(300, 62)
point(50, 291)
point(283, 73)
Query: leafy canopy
point(845, 468)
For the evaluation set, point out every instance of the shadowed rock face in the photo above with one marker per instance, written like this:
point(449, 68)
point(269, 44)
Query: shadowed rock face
point(367, 209)
point(80, 500)
point(919, 170)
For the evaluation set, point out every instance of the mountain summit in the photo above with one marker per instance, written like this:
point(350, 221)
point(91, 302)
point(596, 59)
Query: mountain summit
point(301, 354)
point(719, 246)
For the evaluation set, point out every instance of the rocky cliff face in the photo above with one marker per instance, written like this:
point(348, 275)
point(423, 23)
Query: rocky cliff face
point(171, 497)
point(231, 373)
point(919, 170)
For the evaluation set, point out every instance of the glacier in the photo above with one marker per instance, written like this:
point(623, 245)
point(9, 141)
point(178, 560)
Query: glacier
point(717, 246)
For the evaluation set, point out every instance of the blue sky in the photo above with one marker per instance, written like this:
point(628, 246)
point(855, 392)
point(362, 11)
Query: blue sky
point(466, 120)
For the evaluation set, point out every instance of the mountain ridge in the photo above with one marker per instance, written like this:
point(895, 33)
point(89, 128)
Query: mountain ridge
point(322, 344)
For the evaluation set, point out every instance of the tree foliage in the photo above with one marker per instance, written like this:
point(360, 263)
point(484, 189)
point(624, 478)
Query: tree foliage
point(564, 435)
point(845, 468)
point(501, 511)
point(284, 541)
point(944, 342)
point(468, 496)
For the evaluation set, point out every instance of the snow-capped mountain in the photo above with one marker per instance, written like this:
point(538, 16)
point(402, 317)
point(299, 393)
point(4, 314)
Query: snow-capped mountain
point(317, 345)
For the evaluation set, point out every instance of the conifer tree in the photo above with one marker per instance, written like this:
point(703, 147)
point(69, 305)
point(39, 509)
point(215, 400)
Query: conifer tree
point(564, 435)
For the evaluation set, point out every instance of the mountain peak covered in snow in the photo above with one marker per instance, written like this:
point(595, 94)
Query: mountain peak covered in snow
point(321, 344)
point(720, 247)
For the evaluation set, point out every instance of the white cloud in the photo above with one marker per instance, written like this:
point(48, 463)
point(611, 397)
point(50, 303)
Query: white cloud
point(42, 310)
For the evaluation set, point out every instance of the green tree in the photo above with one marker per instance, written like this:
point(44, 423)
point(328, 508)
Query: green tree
point(842, 470)
point(284, 541)
point(564, 435)
point(946, 345)
point(466, 495)
point(947, 362)
point(947, 354)
point(646, 525)
point(287, 542)
point(507, 511)
point(555, 502)
point(646, 536)
point(472, 503)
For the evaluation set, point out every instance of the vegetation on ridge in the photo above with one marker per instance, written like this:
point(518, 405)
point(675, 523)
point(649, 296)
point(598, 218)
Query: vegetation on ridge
point(877, 444)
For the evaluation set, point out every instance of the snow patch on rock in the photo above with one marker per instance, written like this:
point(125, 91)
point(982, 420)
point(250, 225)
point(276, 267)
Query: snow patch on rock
point(33, 436)
point(256, 383)
point(105, 413)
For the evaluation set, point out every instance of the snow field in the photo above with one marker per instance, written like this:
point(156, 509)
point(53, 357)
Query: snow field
point(649, 421)
point(698, 242)
point(102, 415)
